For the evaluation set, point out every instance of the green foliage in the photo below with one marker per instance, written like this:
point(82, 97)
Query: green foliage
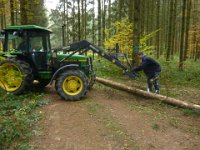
point(143, 42)
point(94, 108)
point(155, 126)
point(104, 68)
point(2, 58)
point(170, 74)
point(191, 112)
point(122, 33)
point(33, 12)
point(189, 76)
point(17, 117)
point(56, 19)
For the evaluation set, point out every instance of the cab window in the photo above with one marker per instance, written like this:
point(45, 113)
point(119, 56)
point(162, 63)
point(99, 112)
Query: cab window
point(38, 41)
point(16, 42)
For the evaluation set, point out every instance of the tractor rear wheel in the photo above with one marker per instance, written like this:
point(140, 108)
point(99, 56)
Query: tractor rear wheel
point(15, 75)
point(71, 85)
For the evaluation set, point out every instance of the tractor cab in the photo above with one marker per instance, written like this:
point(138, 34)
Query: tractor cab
point(29, 42)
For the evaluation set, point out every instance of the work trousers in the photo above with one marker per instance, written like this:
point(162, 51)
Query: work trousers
point(153, 82)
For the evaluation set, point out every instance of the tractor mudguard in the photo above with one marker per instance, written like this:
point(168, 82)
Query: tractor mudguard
point(61, 69)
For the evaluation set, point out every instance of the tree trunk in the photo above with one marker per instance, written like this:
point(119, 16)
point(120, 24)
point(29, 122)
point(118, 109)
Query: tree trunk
point(73, 23)
point(23, 11)
point(93, 24)
point(166, 26)
point(173, 29)
point(136, 29)
point(79, 21)
point(181, 57)
point(142, 17)
point(162, 98)
point(152, 20)
point(17, 13)
point(170, 40)
point(130, 10)
point(189, 5)
point(148, 19)
point(157, 27)
point(104, 22)
point(1, 24)
point(67, 23)
point(2, 14)
point(64, 25)
point(109, 14)
point(12, 16)
point(82, 19)
point(85, 20)
point(99, 24)
point(120, 8)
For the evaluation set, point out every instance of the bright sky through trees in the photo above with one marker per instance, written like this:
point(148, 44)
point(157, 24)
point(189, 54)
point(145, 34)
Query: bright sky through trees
point(51, 4)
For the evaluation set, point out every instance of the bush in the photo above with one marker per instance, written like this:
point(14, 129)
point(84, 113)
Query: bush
point(17, 118)
point(170, 74)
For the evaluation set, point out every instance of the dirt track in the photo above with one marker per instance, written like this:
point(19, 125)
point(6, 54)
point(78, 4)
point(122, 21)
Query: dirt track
point(108, 119)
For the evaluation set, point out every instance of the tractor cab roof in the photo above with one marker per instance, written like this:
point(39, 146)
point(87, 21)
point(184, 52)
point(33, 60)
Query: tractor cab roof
point(27, 27)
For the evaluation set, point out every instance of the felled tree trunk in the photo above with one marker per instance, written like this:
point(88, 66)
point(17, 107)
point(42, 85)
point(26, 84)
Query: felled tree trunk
point(166, 99)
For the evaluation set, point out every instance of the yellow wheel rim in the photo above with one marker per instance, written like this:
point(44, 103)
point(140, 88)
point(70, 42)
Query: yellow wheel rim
point(11, 77)
point(72, 85)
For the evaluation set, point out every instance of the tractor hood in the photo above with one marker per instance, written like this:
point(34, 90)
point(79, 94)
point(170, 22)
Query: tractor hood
point(67, 57)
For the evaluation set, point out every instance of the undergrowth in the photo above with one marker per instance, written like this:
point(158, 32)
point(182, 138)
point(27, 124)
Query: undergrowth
point(18, 116)
point(175, 83)
point(170, 73)
point(189, 76)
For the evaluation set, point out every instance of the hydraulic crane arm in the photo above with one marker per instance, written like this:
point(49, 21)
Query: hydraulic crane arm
point(84, 46)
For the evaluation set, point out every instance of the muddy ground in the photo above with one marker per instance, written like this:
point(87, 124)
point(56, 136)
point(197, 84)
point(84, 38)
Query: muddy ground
point(108, 119)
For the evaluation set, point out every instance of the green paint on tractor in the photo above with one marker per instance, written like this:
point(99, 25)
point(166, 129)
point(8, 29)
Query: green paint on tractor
point(27, 51)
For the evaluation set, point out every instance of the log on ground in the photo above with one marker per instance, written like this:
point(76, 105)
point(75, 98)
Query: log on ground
point(143, 93)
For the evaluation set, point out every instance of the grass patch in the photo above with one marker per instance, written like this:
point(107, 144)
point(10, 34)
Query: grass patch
point(191, 112)
point(93, 108)
point(174, 122)
point(155, 126)
point(141, 108)
point(159, 113)
point(17, 119)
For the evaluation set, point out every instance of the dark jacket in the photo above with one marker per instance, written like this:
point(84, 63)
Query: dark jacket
point(149, 66)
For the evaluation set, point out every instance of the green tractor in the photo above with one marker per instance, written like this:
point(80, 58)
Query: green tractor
point(27, 61)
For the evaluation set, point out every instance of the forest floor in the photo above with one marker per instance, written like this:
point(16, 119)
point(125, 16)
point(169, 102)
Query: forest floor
point(108, 119)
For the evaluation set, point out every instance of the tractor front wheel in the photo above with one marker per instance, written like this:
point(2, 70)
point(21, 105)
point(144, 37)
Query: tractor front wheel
point(71, 85)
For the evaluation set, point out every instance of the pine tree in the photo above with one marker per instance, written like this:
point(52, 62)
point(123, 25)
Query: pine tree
point(99, 24)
